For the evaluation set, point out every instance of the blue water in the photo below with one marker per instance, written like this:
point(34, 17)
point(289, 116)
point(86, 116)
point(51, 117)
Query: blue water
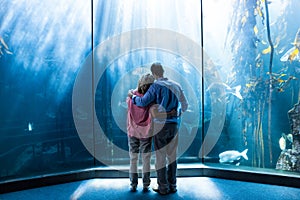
point(49, 47)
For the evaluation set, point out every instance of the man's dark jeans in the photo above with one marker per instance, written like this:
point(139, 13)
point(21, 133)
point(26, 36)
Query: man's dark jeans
point(165, 144)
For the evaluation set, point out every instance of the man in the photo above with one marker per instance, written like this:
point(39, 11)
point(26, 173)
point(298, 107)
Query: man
point(168, 96)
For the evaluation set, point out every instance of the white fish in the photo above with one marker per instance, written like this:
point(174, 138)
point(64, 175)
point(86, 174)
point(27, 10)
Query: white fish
point(4, 45)
point(283, 140)
point(297, 39)
point(232, 155)
point(286, 56)
point(237, 92)
point(30, 126)
point(234, 91)
point(293, 53)
point(282, 143)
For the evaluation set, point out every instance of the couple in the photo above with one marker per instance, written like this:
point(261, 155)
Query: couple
point(153, 113)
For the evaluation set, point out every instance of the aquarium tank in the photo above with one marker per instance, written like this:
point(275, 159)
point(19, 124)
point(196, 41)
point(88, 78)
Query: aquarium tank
point(66, 67)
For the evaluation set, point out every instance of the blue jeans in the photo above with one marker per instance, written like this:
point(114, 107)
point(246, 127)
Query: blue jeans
point(142, 146)
point(165, 144)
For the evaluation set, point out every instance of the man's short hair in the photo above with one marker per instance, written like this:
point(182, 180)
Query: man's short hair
point(157, 69)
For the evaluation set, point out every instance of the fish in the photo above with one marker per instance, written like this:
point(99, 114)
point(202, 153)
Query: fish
point(30, 126)
point(258, 11)
point(251, 84)
point(264, 42)
point(244, 20)
point(3, 43)
point(5, 46)
point(296, 42)
point(293, 53)
point(234, 90)
point(282, 143)
point(255, 29)
point(284, 140)
point(267, 50)
point(232, 155)
point(237, 92)
point(289, 137)
point(258, 61)
point(280, 51)
point(284, 83)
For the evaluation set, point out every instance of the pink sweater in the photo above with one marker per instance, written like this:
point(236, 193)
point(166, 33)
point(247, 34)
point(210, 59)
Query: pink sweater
point(138, 119)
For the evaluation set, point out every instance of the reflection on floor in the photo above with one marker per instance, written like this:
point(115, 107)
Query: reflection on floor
point(188, 188)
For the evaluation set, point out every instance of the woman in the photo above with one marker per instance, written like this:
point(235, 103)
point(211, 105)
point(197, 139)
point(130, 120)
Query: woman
point(139, 136)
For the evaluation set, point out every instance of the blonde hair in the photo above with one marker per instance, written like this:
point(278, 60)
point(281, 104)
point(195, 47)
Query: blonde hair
point(144, 83)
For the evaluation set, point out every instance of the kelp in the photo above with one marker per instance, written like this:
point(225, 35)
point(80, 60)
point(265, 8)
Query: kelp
point(248, 67)
point(270, 81)
point(253, 51)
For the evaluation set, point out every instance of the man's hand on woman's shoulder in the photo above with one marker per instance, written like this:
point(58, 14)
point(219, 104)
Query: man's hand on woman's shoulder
point(130, 93)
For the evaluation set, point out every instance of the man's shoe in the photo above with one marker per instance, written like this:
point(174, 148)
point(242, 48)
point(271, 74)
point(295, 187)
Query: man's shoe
point(173, 190)
point(162, 192)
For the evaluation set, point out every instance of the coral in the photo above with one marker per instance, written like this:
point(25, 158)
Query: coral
point(289, 159)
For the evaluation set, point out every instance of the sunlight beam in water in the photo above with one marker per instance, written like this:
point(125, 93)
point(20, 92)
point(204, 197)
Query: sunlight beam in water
point(49, 36)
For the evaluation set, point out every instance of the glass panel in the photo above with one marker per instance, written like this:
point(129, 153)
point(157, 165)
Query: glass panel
point(256, 51)
point(42, 46)
point(128, 37)
point(63, 106)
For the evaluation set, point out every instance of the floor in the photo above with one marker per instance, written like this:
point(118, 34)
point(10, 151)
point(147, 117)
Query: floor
point(188, 188)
